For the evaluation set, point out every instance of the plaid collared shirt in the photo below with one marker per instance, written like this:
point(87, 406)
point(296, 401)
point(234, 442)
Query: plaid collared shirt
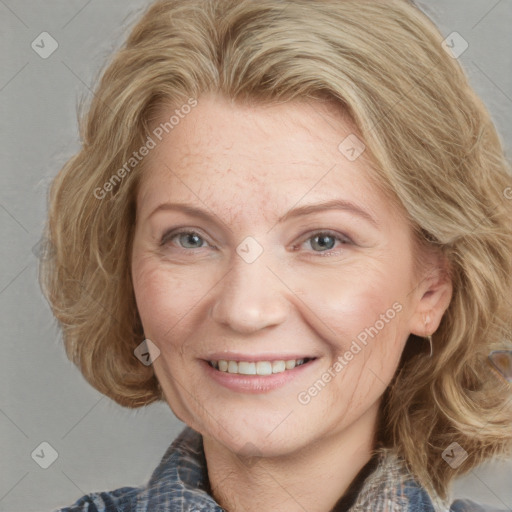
point(180, 484)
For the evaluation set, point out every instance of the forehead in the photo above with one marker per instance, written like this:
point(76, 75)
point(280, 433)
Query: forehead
point(257, 155)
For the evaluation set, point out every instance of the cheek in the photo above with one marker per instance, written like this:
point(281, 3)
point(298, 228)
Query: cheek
point(165, 299)
point(344, 302)
point(359, 314)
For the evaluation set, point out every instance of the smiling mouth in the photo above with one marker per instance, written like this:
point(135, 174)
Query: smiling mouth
point(257, 367)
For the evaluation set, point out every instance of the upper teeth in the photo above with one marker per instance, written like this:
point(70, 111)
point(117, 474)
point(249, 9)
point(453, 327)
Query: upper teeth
point(256, 367)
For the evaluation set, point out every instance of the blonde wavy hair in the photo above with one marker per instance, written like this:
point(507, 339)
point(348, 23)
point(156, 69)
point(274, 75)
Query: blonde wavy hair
point(435, 149)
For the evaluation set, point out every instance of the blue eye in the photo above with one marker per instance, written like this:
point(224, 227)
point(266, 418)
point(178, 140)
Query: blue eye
point(185, 237)
point(321, 242)
point(326, 240)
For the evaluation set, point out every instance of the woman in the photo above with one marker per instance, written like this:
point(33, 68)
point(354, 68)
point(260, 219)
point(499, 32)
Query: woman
point(289, 220)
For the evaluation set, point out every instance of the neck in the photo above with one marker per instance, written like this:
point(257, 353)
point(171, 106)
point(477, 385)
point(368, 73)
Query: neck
point(312, 478)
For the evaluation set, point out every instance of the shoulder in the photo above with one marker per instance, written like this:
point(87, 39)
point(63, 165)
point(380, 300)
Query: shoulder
point(123, 499)
point(471, 506)
point(393, 487)
point(177, 483)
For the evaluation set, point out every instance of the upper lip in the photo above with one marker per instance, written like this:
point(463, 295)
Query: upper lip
point(237, 356)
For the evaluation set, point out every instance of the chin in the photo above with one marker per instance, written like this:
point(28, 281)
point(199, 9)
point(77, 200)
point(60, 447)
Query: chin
point(254, 437)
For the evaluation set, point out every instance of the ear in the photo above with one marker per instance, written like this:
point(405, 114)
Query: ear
point(432, 299)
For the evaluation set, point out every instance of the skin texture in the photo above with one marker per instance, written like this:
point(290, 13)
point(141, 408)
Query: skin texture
point(246, 166)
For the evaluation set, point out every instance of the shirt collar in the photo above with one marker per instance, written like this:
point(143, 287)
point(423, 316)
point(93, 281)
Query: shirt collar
point(180, 482)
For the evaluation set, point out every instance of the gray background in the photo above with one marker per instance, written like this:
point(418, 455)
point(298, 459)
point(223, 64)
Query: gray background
point(100, 445)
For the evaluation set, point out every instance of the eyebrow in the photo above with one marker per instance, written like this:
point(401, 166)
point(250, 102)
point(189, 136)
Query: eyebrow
point(335, 204)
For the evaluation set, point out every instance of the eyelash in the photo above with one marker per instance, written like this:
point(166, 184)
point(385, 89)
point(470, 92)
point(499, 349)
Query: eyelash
point(345, 240)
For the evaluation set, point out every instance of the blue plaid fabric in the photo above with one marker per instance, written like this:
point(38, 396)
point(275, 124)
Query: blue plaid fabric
point(180, 484)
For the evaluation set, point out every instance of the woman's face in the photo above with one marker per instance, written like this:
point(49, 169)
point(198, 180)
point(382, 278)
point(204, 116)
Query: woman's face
point(266, 274)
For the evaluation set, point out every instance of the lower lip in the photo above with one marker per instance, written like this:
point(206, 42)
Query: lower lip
point(256, 383)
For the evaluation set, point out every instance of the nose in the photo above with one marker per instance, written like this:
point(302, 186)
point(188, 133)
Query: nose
point(250, 297)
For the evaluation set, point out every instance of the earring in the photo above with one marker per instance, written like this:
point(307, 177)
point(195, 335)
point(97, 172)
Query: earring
point(429, 337)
